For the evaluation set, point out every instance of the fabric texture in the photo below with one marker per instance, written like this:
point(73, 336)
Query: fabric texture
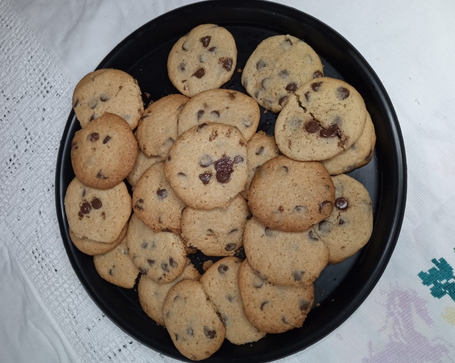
point(47, 46)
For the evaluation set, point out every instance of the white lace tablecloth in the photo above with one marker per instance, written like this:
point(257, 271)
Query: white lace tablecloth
point(46, 46)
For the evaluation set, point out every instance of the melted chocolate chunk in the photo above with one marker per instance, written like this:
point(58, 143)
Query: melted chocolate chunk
point(291, 87)
point(224, 169)
point(205, 41)
point(85, 208)
point(106, 139)
point(341, 203)
point(330, 132)
point(211, 334)
point(226, 63)
point(96, 203)
point(199, 73)
point(205, 177)
point(317, 74)
point(212, 49)
point(199, 114)
point(342, 93)
point(315, 86)
point(312, 127)
point(162, 193)
point(223, 268)
point(94, 136)
point(282, 100)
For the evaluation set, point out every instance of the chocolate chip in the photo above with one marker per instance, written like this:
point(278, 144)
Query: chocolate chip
point(84, 191)
point(291, 87)
point(143, 270)
point(190, 331)
point(342, 93)
point(260, 151)
point(138, 205)
point(230, 298)
point(205, 161)
point(106, 139)
point(182, 67)
point(282, 100)
point(215, 113)
point(280, 208)
point(285, 169)
point(312, 127)
point(173, 263)
point(199, 114)
point(161, 193)
point(341, 222)
point(212, 49)
point(165, 267)
point(76, 103)
point(100, 175)
point(205, 177)
point(312, 236)
point(264, 303)
point(230, 246)
point(317, 74)
point(74, 145)
point(298, 275)
point(323, 206)
point(85, 208)
point(181, 174)
point(258, 282)
point(210, 232)
point(324, 226)
point(111, 272)
point(315, 86)
point(92, 104)
point(304, 305)
point(96, 203)
point(214, 135)
point(238, 159)
point(205, 41)
point(260, 64)
point(144, 245)
point(93, 117)
point(184, 47)
point(283, 319)
point(201, 126)
point(341, 203)
point(199, 73)
point(211, 334)
point(223, 268)
point(94, 136)
point(176, 337)
point(284, 73)
point(104, 97)
point(150, 262)
point(247, 123)
point(231, 96)
point(268, 232)
point(330, 132)
point(223, 169)
point(287, 40)
point(233, 231)
point(299, 208)
point(226, 63)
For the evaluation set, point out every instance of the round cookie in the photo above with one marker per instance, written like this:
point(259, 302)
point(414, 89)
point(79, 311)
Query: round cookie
point(116, 267)
point(216, 232)
point(160, 256)
point(207, 165)
point(155, 203)
point(323, 118)
point(92, 248)
point(277, 68)
point(223, 106)
point(284, 258)
point(104, 152)
point(350, 225)
point(157, 129)
point(220, 283)
point(260, 148)
point(95, 214)
point(192, 321)
point(108, 90)
point(152, 294)
point(140, 167)
point(291, 196)
point(203, 59)
point(358, 155)
point(273, 308)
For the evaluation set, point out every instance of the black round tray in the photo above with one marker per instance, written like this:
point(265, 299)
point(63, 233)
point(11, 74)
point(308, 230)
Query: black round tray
point(341, 288)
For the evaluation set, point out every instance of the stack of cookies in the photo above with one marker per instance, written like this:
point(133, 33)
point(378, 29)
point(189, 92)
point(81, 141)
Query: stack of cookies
point(269, 211)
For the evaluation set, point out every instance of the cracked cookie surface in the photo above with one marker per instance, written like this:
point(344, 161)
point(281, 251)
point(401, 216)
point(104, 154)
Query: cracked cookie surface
point(322, 118)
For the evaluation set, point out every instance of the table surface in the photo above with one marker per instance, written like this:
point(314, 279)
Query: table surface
point(46, 46)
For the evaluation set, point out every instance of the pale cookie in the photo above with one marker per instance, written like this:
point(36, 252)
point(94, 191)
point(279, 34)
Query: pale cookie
point(207, 165)
point(273, 308)
point(222, 106)
point(160, 256)
point(95, 214)
point(216, 232)
point(290, 195)
point(220, 283)
point(358, 155)
point(140, 167)
point(155, 203)
point(277, 68)
point(108, 90)
point(152, 294)
point(323, 118)
point(260, 148)
point(350, 225)
point(116, 267)
point(192, 321)
point(284, 258)
point(203, 59)
point(157, 129)
point(92, 248)
point(104, 152)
